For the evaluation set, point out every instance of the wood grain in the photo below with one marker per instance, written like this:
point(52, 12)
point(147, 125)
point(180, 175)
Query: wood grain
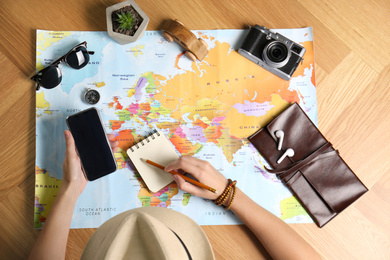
point(353, 89)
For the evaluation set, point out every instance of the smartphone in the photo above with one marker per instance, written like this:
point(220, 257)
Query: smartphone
point(92, 143)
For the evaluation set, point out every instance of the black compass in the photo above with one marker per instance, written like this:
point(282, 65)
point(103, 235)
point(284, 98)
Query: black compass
point(92, 96)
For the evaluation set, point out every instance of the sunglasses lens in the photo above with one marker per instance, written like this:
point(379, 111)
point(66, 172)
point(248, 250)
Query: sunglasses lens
point(78, 58)
point(50, 77)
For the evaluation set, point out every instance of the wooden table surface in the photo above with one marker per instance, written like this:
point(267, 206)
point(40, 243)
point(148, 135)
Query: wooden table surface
point(352, 55)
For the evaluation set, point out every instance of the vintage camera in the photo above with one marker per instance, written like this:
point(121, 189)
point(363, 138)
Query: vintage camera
point(272, 51)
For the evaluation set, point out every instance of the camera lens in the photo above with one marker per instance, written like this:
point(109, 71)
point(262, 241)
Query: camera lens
point(277, 52)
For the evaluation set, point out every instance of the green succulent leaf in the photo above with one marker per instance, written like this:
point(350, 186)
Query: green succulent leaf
point(125, 20)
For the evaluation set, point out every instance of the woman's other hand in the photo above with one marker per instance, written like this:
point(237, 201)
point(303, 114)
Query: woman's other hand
point(203, 171)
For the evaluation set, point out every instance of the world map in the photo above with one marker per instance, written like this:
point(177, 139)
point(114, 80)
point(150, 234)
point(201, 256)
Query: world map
point(207, 109)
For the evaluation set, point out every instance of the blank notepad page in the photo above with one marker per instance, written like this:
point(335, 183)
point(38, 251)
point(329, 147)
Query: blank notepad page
point(156, 148)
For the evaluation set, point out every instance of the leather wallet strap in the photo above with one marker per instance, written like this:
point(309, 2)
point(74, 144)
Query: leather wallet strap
point(284, 173)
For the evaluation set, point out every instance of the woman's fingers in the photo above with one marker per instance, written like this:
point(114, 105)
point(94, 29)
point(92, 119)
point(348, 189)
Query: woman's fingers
point(113, 144)
point(70, 145)
point(185, 163)
point(192, 189)
point(203, 171)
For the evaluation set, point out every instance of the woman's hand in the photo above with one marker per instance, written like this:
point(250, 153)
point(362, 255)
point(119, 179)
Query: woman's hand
point(73, 175)
point(203, 171)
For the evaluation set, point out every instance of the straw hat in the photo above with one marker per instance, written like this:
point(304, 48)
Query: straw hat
point(149, 233)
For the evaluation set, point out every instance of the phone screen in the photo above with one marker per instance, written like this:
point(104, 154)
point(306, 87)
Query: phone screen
point(92, 144)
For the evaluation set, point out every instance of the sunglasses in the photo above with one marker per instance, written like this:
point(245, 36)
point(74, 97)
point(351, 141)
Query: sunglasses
point(51, 76)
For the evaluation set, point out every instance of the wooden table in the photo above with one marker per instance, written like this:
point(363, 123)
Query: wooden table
point(352, 75)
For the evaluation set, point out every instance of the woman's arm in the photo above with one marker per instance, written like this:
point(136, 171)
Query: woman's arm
point(280, 241)
point(52, 240)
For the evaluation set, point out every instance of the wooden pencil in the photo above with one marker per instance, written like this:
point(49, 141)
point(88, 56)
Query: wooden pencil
point(199, 184)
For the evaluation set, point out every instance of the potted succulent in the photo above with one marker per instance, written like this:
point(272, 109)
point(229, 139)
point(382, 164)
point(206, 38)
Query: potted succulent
point(126, 22)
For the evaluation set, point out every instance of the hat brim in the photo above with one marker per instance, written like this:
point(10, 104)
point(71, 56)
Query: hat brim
point(189, 232)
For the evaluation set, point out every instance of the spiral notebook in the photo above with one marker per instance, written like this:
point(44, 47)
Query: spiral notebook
point(156, 148)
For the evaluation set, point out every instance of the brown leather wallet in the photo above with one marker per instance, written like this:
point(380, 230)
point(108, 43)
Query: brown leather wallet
point(316, 174)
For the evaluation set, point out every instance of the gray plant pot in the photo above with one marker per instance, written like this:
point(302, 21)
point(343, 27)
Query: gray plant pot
point(122, 38)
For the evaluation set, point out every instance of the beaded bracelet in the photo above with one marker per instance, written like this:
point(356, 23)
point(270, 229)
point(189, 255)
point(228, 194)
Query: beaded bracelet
point(231, 201)
point(230, 188)
point(221, 199)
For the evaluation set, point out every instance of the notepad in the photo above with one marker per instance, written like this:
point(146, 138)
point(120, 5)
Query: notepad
point(159, 149)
